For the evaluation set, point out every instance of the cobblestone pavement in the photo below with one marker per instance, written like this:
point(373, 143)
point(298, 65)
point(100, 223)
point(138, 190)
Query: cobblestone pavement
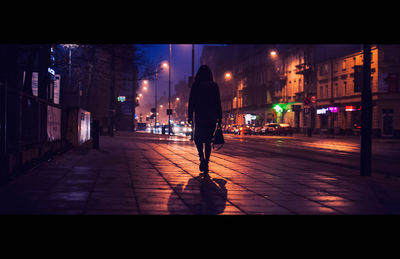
point(140, 173)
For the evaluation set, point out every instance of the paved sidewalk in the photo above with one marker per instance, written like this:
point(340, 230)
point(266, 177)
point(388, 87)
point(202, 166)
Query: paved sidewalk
point(140, 173)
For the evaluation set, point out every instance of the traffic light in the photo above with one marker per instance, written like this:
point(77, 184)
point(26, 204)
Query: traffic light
point(358, 78)
point(307, 101)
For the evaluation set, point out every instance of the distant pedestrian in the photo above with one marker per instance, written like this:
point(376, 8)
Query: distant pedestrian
point(205, 105)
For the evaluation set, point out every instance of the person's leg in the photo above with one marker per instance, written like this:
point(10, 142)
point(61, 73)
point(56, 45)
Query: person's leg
point(207, 150)
point(199, 147)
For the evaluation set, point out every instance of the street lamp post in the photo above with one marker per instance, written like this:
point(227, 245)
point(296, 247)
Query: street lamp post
point(70, 47)
point(228, 77)
point(155, 101)
point(366, 114)
point(169, 92)
point(163, 65)
point(192, 62)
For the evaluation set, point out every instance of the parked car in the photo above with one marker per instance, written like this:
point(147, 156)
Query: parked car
point(284, 129)
point(257, 130)
point(244, 130)
point(236, 130)
point(230, 128)
point(252, 129)
point(270, 129)
point(141, 126)
point(181, 129)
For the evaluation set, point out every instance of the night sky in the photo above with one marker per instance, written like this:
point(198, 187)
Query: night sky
point(181, 60)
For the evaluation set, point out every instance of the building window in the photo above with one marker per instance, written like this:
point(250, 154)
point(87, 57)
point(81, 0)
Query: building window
point(345, 88)
point(324, 69)
point(321, 92)
point(326, 91)
point(335, 92)
point(344, 64)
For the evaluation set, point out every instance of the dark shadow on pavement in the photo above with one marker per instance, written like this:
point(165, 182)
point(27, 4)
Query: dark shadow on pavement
point(203, 195)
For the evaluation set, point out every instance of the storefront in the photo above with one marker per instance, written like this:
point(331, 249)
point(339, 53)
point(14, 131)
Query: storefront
point(296, 109)
point(387, 122)
point(352, 122)
point(327, 118)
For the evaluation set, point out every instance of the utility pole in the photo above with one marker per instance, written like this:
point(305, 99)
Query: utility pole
point(192, 63)
point(169, 92)
point(190, 83)
point(112, 93)
point(366, 114)
point(155, 100)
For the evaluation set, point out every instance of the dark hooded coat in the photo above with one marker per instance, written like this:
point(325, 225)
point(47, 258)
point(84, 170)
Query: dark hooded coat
point(205, 105)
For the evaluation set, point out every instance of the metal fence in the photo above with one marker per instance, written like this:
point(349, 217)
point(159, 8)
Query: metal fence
point(25, 125)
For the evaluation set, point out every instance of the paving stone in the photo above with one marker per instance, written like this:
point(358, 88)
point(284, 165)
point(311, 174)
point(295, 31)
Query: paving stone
point(137, 173)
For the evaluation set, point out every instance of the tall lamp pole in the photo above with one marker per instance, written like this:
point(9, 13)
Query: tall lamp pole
point(190, 85)
point(366, 114)
point(169, 92)
point(70, 47)
point(155, 101)
point(192, 62)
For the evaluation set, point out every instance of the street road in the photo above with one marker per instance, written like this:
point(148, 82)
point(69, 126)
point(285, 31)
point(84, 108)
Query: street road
point(341, 151)
point(143, 173)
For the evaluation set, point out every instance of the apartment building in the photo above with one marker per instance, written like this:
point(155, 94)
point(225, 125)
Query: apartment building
point(314, 88)
point(251, 70)
point(288, 97)
point(339, 85)
point(220, 61)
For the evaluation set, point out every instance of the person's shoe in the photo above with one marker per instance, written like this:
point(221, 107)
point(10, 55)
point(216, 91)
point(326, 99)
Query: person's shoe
point(206, 166)
point(202, 165)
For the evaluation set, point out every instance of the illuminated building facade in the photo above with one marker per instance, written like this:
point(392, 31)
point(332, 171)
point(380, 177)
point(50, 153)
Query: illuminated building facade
point(314, 88)
point(339, 84)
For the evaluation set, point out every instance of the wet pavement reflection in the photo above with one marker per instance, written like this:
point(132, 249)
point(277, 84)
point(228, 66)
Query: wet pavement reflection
point(139, 173)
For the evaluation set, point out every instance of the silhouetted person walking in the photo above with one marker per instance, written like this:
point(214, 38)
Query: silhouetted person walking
point(205, 104)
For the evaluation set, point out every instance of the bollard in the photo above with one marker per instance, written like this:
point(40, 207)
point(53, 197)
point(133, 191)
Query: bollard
point(96, 134)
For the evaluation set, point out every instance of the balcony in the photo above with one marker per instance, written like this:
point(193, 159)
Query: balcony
point(299, 97)
point(283, 78)
point(303, 69)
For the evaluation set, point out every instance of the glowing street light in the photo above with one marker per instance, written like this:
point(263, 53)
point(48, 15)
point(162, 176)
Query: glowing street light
point(273, 53)
point(71, 47)
point(164, 65)
point(228, 75)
